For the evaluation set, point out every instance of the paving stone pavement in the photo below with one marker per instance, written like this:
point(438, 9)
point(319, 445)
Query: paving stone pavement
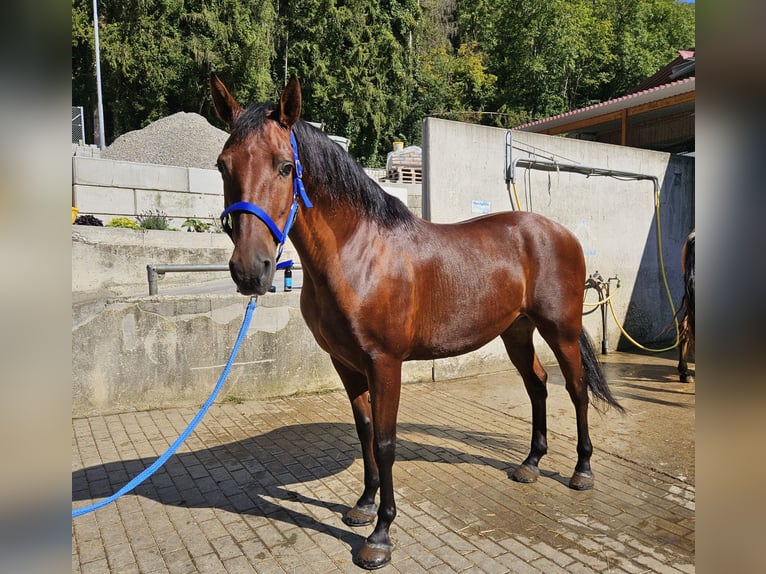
point(261, 485)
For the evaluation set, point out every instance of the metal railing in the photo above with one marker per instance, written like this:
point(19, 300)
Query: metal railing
point(156, 272)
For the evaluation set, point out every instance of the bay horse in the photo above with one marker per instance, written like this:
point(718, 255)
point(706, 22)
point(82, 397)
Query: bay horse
point(686, 328)
point(382, 286)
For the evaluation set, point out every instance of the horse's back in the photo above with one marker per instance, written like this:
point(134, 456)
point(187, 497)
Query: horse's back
point(522, 224)
point(543, 247)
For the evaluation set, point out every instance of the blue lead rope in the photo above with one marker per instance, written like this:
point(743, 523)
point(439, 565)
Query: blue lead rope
point(184, 435)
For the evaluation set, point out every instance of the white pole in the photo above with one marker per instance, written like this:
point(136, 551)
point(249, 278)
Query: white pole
point(101, 137)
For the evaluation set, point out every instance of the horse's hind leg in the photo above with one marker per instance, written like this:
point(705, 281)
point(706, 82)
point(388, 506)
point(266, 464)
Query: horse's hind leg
point(565, 344)
point(684, 374)
point(521, 350)
point(365, 510)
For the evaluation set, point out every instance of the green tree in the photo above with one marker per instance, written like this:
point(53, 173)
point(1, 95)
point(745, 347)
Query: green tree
point(371, 71)
point(647, 36)
point(551, 56)
point(454, 84)
point(157, 55)
point(355, 65)
point(451, 79)
point(554, 54)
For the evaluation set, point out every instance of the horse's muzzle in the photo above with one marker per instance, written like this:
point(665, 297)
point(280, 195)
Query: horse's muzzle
point(254, 278)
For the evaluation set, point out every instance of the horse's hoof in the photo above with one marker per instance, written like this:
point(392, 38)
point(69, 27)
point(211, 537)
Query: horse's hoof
point(526, 474)
point(373, 556)
point(687, 378)
point(581, 481)
point(361, 515)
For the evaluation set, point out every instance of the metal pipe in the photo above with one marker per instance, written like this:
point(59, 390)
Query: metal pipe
point(99, 97)
point(604, 340)
point(552, 165)
point(156, 272)
point(546, 165)
point(596, 281)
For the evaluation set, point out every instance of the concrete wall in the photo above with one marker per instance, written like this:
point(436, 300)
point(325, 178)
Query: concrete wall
point(614, 220)
point(112, 261)
point(131, 351)
point(152, 352)
point(108, 188)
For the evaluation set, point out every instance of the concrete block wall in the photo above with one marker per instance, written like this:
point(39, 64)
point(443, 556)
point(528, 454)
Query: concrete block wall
point(112, 261)
point(107, 189)
point(411, 194)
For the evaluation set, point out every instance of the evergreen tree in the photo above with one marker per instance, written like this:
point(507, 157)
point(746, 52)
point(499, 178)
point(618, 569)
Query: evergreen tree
point(371, 71)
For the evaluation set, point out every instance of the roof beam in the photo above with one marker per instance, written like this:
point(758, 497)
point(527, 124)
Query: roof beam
point(584, 123)
point(659, 104)
point(622, 114)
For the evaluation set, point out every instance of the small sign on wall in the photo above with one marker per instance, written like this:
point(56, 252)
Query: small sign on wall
point(480, 206)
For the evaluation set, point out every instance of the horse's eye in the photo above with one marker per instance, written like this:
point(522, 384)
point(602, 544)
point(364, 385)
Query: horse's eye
point(285, 169)
point(221, 165)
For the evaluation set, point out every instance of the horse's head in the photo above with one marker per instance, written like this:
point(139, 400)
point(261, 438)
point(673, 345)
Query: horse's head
point(258, 166)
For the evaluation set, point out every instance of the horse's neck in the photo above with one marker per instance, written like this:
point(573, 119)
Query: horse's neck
point(321, 232)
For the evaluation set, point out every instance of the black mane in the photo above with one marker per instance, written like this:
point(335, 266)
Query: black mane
point(331, 168)
point(251, 120)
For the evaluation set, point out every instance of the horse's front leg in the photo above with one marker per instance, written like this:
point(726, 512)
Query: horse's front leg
point(385, 387)
point(355, 383)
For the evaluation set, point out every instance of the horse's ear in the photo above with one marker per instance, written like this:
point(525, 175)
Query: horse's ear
point(226, 106)
point(290, 103)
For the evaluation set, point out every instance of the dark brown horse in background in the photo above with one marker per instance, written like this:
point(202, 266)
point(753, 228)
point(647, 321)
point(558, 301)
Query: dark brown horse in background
point(686, 311)
point(381, 286)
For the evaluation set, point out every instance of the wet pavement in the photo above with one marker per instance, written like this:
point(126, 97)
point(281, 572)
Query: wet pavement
point(261, 485)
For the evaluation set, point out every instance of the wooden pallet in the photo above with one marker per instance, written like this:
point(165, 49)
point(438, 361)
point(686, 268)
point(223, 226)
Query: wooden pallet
point(405, 175)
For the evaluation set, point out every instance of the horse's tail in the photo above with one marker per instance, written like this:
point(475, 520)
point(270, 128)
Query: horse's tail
point(593, 375)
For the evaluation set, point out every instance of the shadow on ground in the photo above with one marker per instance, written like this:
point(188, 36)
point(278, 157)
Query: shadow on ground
point(253, 475)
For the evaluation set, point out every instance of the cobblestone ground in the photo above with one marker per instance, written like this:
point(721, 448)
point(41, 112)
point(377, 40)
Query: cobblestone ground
point(261, 486)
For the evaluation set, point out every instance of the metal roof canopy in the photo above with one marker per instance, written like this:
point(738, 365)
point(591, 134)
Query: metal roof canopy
point(673, 99)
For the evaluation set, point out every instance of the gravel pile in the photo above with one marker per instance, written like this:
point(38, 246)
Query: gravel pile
point(183, 140)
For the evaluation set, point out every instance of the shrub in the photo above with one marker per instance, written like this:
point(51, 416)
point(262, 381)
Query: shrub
point(215, 224)
point(123, 222)
point(196, 225)
point(153, 220)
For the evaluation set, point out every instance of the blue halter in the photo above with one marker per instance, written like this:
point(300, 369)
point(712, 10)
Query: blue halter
point(280, 236)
